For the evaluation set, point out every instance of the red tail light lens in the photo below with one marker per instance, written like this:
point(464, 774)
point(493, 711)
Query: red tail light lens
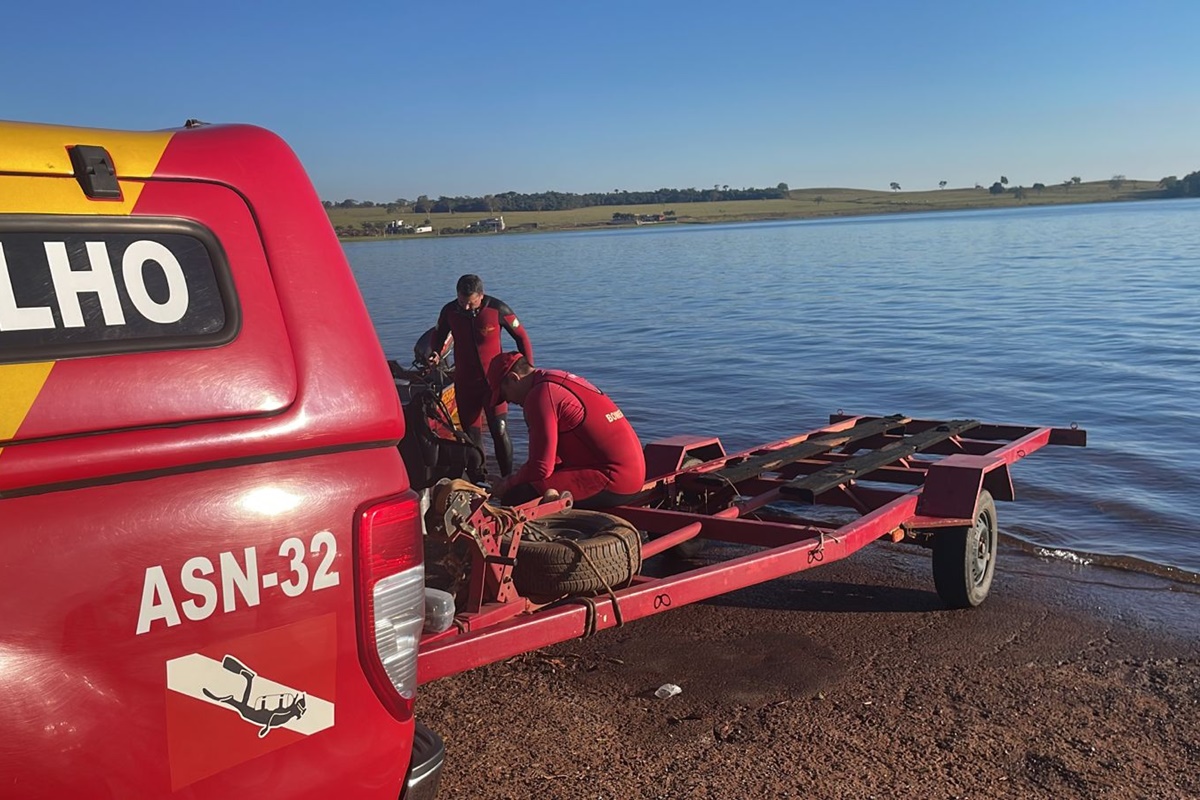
point(390, 581)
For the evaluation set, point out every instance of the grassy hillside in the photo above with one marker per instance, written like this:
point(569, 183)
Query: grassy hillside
point(801, 204)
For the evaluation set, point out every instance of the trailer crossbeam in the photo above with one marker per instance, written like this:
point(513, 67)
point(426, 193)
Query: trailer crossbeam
point(808, 487)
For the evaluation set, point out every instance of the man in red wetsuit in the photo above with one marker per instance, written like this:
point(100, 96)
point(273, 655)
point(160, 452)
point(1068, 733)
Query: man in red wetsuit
point(475, 320)
point(579, 441)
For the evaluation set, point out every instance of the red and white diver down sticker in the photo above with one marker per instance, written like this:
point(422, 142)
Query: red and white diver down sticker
point(243, 698)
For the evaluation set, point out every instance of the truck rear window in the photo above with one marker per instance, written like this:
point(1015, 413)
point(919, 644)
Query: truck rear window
point(77, 286)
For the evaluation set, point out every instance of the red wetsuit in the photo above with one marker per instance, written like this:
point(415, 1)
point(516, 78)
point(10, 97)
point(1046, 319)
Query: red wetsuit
point(476, 343)
point(579, 441)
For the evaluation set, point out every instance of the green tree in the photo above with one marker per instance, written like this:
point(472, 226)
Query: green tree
point(941, 184)
point(1039, 187)
point(1075, 179)
point(996, 188)
point(1187, 186)
point(1191, 184)
point(783, 187)
point(895, 186)
point(1003, 180)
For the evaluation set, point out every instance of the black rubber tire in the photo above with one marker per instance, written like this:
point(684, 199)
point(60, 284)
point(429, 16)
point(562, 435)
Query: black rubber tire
point(964, 559)
point(548, 570)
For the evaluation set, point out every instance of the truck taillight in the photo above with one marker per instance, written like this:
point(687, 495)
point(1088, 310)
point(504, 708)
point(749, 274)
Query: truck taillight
point(390, 581)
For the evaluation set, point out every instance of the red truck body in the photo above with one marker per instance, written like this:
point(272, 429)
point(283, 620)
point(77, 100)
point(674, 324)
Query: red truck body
point(211, 562)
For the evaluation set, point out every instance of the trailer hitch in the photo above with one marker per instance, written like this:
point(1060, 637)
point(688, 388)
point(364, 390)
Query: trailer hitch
point(458, 508)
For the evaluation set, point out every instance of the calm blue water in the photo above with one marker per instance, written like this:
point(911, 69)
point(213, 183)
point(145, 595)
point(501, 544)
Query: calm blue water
point(1047, 316)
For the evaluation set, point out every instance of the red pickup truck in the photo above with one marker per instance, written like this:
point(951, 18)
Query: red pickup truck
point(211, 573)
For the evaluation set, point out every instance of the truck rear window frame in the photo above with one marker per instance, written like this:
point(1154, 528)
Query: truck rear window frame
point(78, 225)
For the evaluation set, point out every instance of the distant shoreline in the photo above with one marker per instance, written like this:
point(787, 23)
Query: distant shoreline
point(801, 204)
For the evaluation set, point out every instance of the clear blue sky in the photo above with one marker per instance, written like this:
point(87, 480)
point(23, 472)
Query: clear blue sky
point(388, 100)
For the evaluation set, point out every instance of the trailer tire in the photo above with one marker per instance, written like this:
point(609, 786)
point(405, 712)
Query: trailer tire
point(964, 559)
point(576, 553)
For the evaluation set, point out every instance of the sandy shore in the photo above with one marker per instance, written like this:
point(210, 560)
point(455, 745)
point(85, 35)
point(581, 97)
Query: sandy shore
point(851, 681)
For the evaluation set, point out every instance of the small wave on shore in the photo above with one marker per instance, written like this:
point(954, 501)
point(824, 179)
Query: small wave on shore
point(1086, 559)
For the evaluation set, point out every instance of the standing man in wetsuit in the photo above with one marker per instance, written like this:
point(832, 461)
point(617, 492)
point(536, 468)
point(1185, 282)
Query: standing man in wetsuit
point(579, 441)
point(475, 320)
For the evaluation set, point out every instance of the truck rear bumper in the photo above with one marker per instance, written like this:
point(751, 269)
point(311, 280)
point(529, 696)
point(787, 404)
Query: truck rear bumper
point(425, 769)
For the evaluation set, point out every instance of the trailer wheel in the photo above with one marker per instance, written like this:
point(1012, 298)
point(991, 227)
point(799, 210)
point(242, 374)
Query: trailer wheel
point(576, 553)
point(964, 559)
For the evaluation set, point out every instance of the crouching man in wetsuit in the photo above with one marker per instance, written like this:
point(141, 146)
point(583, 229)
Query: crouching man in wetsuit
point(475, 320)
point(579, 441)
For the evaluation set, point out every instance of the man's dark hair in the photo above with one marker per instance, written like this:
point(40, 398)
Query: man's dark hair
point(469, 285)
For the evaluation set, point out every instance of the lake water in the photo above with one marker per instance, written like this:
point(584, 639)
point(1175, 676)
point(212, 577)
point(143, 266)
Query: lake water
point(751, 332)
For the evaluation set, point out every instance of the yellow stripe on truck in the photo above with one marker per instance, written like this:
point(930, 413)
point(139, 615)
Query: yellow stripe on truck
point(37, 177)
point(20, 385)
point(32, 153)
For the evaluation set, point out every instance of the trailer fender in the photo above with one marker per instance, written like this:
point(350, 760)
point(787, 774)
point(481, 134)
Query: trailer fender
point(952, 485)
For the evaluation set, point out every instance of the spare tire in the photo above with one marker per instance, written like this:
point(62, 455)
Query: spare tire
point(576, 553)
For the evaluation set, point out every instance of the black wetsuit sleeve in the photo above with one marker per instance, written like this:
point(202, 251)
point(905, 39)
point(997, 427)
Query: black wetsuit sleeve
point(442, 330)
point(515, 329)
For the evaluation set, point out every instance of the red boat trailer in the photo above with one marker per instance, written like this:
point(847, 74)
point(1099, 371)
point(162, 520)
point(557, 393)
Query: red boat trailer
point(863, 478)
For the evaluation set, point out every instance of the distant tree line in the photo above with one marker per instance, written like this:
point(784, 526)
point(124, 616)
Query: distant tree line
point(1188, 186)
point(1172, 186)
point(564, 201)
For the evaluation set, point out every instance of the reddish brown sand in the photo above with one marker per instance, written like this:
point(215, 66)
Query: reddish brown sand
point(851, 681)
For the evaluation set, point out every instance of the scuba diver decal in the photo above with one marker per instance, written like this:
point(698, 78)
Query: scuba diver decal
point(268, 710)
point(246, 696)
